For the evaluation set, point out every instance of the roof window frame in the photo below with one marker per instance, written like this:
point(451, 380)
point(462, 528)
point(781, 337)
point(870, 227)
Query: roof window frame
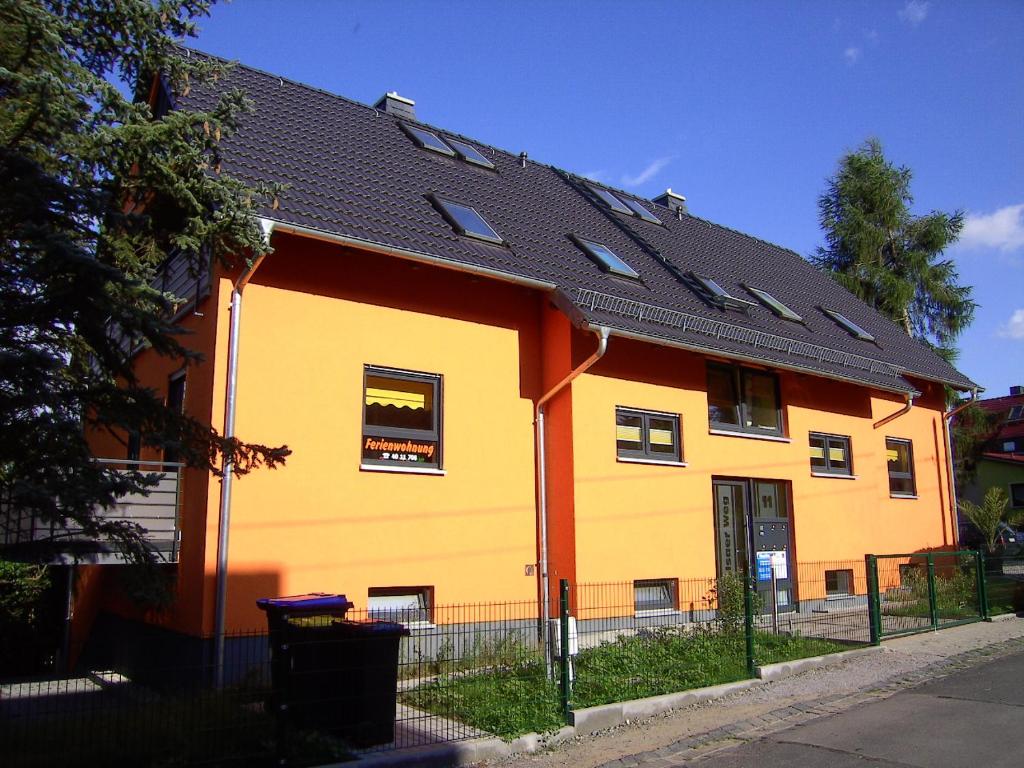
point(610, 200)
point(480, 161)
point(781, 311)
point(847, 324)
point(640, 211)
point(441, 204)
point(589, 246)
point(717, 295)
point(414, 131)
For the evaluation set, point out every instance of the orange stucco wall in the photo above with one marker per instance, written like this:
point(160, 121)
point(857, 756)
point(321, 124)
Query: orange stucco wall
point(312, 318)
point(642, 521)
point(316, 314)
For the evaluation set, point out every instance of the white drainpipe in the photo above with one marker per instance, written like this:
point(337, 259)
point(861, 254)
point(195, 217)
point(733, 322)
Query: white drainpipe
point(224, 526)
point(542, 490)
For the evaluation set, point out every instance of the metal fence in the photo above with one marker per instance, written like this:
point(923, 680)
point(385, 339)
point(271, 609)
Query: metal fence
point(912, 593)
point(329, 690)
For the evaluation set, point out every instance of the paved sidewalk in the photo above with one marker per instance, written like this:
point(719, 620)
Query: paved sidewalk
point(689, 734)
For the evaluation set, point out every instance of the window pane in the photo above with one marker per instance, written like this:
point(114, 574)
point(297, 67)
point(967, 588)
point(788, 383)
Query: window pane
point(470, 153)
point(428, 140)
point(770, 499)
point(399, 403)
point(898, 455)
point(761, 407)
point(837, 458)
point(818, 453)
point(722, 396)
point(469, 222)
point(653, 595)
point(662, 436)
point(610, 200)
point(901, 485)
point(629, 432)
point(839, 582)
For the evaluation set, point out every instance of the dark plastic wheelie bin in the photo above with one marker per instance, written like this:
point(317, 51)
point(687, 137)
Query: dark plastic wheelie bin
point(330, 674)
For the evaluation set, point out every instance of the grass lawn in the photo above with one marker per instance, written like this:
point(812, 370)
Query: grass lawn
point(515, 699)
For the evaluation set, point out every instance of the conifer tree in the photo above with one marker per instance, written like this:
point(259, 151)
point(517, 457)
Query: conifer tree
point(887, 256)
point(96, 194)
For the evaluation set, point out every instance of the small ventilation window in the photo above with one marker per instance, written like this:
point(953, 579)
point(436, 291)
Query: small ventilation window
point(611, 200)
point(466, 221)
point(469, 153)
point(642, 212)
point(606, 258)
point(776, 306)
point(848, 325)
point(412, 606)
point(428, 140)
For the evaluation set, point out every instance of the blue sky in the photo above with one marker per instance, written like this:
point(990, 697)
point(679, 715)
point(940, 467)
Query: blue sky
point(744, 107)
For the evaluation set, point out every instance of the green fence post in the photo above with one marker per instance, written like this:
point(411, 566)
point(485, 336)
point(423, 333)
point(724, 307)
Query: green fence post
point(874, 604)
point(748, 620)
point(979, 563)
point(933, 607)
point(563, 656)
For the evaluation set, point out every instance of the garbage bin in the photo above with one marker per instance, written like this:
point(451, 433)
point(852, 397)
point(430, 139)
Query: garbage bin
point(330, 674)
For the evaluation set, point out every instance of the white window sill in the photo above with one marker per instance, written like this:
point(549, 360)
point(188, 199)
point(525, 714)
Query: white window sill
point(902, 495)
point(748, 435)
point(664, 463)
point(402, 470)
point(838, 598)
point(656, 612)
point(835, 475)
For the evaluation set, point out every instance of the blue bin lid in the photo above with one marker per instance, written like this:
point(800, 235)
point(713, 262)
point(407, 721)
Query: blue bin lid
point(314, 602)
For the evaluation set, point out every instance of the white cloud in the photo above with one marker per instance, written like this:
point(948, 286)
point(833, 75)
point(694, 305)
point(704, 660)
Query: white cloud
point(1014, 329)
point(653, 169)
point(914, 12)
point(1002, 229)
point(851, 54)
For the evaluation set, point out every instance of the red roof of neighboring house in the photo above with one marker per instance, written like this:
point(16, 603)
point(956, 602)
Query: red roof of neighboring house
point(1012, 458)
point(1008, 430)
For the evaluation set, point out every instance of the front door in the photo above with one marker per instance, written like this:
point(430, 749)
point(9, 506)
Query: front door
point(752, 528)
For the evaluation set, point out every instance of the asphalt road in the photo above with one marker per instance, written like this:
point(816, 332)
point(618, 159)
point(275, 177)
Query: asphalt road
point(971, 718)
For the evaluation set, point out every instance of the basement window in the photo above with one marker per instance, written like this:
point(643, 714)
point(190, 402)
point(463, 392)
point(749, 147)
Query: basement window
point(655, 596)
point(848, 325)
point(647, 435)
point(611, 200)
point(839, 583)
point(428, 140)
point(776, 306)
point(606, 258)
point(466, 220)
point(899, 456)
point(411, 606)
point(401, 419)
point(469, 153)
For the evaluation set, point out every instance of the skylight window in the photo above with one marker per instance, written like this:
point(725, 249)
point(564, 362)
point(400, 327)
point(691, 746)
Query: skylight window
point(848, 325)
point(428, 140)
point(642, 212)
point(718, 294)
point(775, 305)
point(467, 221)
point(1016, 413)
point(469, 153)
point(606, 258)
point(611, 200)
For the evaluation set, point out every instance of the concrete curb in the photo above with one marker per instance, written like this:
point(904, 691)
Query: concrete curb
point(1003, 617)
point(787, 668)
point(600, 718)
point(459, 753)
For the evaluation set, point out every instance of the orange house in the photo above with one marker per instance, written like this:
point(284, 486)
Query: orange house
point(494, 374)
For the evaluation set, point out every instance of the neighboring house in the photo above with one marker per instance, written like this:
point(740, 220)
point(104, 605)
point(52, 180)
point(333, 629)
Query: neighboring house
point(1002, 459)
point(425, 297)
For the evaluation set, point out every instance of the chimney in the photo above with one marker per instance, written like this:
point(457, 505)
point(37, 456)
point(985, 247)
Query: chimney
point(1016, 389)
point(396, 105)
point(674, 202)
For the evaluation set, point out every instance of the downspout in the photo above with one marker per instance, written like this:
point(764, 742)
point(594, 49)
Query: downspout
point(542, 490)
point(900, 412)
point(947, 421)
point(229, 432)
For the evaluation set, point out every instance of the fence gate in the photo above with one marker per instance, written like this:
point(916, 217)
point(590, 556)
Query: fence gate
point(912, 593)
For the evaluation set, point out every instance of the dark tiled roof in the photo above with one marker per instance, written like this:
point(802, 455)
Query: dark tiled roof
point(353, 172)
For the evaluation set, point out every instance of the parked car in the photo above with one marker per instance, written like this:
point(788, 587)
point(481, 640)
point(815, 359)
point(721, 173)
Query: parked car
point(1009, 541)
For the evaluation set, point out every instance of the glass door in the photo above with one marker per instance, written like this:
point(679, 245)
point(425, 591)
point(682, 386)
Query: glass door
point(730, 525)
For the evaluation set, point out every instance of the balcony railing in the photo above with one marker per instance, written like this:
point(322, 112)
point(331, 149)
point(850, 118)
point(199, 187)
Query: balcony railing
point(157, 511)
